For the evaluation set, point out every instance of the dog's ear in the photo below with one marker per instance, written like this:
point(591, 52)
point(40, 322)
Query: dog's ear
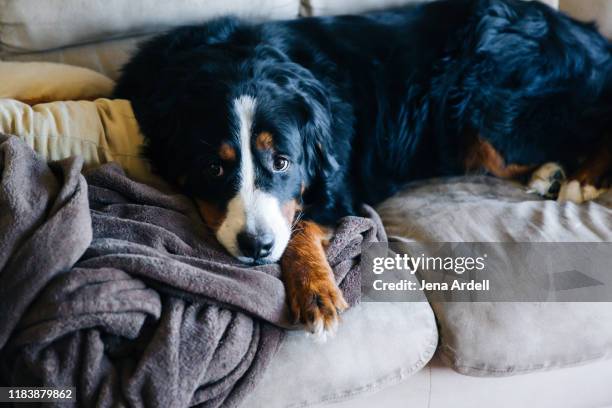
point(312, 108)
point(172, 74)
point(315, 127)
point(310, 105)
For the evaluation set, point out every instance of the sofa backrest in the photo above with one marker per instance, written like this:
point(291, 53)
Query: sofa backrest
point(35, 25)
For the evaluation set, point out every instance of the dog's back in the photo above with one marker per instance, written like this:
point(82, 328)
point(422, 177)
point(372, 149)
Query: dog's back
point(408, 88)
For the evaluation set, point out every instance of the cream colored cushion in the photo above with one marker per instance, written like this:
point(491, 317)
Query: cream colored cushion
point(37, 25)
point(100, 131)
point(38, 82)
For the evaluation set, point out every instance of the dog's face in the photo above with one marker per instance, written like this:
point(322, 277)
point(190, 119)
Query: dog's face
point(249, 181)
point(245, 131)
point(250, 158)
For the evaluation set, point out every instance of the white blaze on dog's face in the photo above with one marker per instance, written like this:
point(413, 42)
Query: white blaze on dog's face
point(256, 228)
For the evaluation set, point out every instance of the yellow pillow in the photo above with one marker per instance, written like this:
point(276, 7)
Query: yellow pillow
point(38, 82)
point(101, 131)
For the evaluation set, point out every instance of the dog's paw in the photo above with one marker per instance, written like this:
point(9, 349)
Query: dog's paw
point(575, 192)
point(317, 305)
point(547, 180)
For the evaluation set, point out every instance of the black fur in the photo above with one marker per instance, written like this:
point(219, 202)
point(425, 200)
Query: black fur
point(363, 104)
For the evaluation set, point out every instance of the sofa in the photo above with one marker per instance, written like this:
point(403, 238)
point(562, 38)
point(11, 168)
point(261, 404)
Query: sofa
point(404, 354)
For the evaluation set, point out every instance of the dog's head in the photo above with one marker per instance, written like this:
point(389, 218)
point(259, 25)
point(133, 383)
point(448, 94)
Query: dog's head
point(239, 127)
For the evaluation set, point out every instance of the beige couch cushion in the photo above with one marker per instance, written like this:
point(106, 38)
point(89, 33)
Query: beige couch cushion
point(100, 131)
point(37, 82)
point(67, 124)
point(591, 10)
point(35, 25)
point(331, 7)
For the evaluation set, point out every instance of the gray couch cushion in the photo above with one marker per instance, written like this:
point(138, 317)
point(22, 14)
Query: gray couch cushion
point(377, 345)
point(494, 339)
point(485, 209)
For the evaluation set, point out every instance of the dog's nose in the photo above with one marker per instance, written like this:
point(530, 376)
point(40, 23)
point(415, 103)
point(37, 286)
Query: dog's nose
point(255, 246)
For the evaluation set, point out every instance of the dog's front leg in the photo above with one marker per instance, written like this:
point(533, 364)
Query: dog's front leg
point(313, 296)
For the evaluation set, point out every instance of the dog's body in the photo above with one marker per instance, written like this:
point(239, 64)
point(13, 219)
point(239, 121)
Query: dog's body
point(316, 116)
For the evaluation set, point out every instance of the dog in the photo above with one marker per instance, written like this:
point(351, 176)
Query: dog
point(278, 129)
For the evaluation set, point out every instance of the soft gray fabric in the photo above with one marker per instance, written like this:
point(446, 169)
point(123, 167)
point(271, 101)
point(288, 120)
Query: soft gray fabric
point(154, 313)
point(36, 205)
point(493, 339)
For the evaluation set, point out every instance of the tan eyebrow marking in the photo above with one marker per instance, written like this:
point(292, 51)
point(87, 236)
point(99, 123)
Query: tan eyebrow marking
point(264, 141)
point(227, 152)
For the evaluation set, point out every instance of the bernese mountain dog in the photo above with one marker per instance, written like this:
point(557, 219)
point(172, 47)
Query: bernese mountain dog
point(278, 129)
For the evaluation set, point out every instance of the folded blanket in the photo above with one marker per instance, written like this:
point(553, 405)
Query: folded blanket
point(118, 289)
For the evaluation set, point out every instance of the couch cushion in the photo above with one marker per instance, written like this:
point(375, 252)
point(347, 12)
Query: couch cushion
point(331, 7)
point(377, 345)
point(34, 25)
point(591, 10)
point(495, 339)
point(100, 131)
point(106, 57)
point(486, 209)
point(36, 82)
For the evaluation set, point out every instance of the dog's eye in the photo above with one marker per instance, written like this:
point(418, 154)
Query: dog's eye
point(280, 163)
point(214, 170)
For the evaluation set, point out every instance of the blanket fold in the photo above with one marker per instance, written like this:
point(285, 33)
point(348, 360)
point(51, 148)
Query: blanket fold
point(120, 290)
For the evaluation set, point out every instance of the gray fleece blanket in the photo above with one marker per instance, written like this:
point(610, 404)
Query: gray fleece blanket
point(118, 289)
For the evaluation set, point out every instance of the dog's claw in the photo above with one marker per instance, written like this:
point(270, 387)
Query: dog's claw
point(319, 307)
